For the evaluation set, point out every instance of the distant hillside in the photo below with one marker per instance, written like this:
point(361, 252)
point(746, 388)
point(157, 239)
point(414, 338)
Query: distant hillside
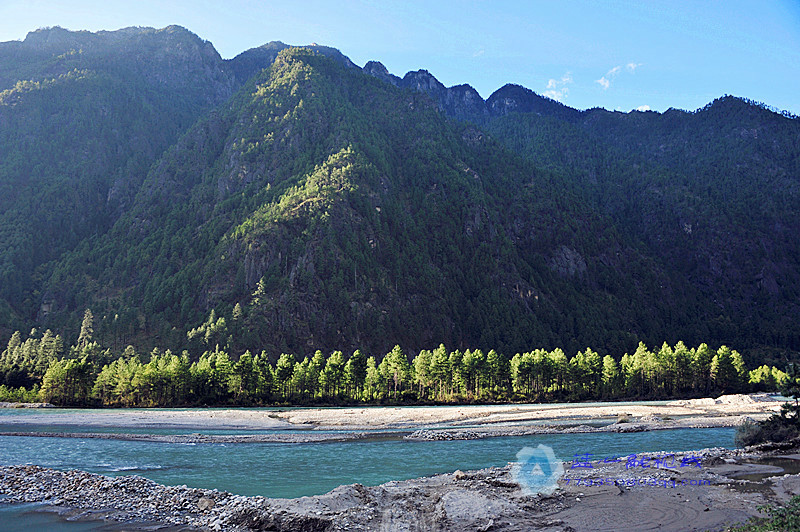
point(312, 204)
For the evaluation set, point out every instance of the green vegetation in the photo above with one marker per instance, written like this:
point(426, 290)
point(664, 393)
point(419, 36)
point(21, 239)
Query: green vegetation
point(780, 518)
point(90, 375)
point(80, 124)
point(340, 212)
point(781, 426)
point(700, 193)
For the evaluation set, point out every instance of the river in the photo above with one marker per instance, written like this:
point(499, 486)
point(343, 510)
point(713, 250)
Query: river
point(295, 470)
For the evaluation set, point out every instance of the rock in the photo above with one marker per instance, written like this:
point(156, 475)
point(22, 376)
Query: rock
point(651, 418)
point(629, 428)
point(567, 262)
point(205, 503)
point(459, 475)
point(443, 435)
point(735, 399)
point(378, 70)
point(488, 526)
point(471, 506)
point(706, 401)
point(26, 405)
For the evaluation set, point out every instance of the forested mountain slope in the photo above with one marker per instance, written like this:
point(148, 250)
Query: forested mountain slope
point(82, 118)
point(312, 204)
point(338, 211)
point(713, 195)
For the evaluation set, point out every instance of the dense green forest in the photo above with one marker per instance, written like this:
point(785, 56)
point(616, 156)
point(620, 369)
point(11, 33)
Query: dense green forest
point(287, 201)
point(713, 195)
point(340, 212)
point(41, 368)
point(82, 118)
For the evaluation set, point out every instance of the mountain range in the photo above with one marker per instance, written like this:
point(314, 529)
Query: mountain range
point(289, 200)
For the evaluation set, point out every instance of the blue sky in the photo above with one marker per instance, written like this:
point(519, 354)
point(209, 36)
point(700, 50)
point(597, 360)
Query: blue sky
point(614, 54)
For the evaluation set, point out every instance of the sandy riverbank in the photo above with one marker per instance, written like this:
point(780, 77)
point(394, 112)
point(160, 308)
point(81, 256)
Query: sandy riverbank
point(494, 415)
point(426, 434)
point(709, 496)
point(162, 418)
point(485, 419)
point(421, 423)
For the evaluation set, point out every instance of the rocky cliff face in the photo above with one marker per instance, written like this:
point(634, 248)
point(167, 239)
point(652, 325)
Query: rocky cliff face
point(376, 69)
point(460, 101)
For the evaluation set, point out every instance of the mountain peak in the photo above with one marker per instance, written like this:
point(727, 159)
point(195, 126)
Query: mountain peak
point(252, 61)
point(423, 81)
point(54, 37)
point(170, 40)
point(512, 98)
point(378, 70)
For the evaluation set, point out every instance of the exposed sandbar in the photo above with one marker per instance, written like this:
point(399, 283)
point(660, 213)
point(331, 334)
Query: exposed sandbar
point(440, 422)
point(511, 414)
point(160, 418)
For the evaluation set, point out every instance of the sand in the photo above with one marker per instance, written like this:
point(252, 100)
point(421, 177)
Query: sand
point(509, 414)
point(484, 420)
point(211, 419)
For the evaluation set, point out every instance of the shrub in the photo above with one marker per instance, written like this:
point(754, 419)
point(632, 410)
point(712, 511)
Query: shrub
point(781, 518)
point(779, 427)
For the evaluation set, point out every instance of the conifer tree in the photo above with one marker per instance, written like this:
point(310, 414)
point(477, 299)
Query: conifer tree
point(87, 330)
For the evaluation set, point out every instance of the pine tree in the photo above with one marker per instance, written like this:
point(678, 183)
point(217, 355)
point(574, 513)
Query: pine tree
point(610, 377)
point(87, 330)
point(356, 373)
point(283, 373)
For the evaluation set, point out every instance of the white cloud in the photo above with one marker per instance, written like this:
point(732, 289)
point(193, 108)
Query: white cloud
point(643, 108)
point(557, 89)
point(557, 95)
point(479, 53)
point(606, 80)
